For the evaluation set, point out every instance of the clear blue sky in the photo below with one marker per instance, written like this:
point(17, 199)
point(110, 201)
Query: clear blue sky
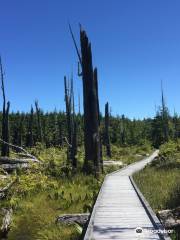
point(135, 43)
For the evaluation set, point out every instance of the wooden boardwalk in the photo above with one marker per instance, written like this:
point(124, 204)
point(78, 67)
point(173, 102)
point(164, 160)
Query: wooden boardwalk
point(120, 209)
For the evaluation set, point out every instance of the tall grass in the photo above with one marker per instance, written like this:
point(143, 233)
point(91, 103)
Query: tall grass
point(160, 181)
point(36, 212)
point(159, 186)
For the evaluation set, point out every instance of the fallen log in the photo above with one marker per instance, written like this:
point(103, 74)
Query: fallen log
point(24, 155)
point(73, 218)
point(7, 160)
point(11, 167)
point(170, 218)
point(6, 222)
point(21, 149)
point(10, 164)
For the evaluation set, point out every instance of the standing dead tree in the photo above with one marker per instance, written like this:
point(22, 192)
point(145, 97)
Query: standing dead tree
point(74, 130)
point(99, 120)
point(68, 102)
point(71, 124)
point(91, 105)
point(107, 139)
point(30, 140)
point(122, 131)
point(74, 146)
point(20, 133)
point(39, 126)
point(5, 116)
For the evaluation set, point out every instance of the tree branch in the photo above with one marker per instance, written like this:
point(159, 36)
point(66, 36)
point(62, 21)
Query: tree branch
point(2, 82)
point(65, 138)
point(21, 149)
point(75, 44)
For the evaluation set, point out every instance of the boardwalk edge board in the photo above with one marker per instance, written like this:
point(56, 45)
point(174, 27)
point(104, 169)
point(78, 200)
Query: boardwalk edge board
point(91, 217)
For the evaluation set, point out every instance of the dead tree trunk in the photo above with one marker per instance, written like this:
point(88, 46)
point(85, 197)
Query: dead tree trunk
point(122, 131)
point(91, 108)
point(68, 102)
point(74, 146)
point(90, 104)
point(20, 133)
point(71, 124)
point(39, 126)
point(30, 129)
point(5, 117)
point(99, 120)
point(74, 131)
point(107, 139)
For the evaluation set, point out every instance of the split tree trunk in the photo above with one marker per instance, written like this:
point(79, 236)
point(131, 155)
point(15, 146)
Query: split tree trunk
point(71, 123)
point(91, 105)
point(91, 108)
point(5, 117)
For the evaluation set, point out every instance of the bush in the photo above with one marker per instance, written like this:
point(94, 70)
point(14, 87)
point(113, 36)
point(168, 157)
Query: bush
point(169, 156)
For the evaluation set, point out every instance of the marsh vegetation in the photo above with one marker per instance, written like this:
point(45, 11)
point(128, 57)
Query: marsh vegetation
point(160, 181)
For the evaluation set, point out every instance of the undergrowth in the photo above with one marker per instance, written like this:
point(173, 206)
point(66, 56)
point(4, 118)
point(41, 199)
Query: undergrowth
point(160, 181)
point(50, 189)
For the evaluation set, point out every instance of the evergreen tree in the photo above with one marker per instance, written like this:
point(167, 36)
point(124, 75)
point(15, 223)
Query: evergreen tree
point(160, 124)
